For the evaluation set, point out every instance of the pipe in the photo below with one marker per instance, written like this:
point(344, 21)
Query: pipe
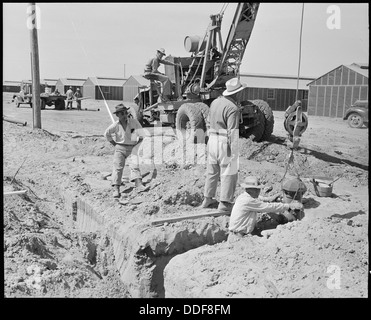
point(23, 123)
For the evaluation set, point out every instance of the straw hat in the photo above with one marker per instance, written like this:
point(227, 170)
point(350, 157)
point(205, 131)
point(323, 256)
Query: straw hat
point(162, 51)
point(233, 86)
point(251, 182)
point(120, 107)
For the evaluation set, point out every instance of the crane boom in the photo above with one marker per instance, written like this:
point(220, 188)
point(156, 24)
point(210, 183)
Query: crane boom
point(235, 45)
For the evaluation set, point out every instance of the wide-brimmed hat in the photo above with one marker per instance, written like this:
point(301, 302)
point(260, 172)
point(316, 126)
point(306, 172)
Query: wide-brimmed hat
point(233, 86)
point(162, 51)
point(251, 182)
point(120, 107)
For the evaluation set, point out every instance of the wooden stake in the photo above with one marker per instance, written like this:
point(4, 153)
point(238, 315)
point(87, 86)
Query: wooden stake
point(35, 67)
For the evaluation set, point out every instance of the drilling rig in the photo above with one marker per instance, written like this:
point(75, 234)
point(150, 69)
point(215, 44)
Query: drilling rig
point(201, 78)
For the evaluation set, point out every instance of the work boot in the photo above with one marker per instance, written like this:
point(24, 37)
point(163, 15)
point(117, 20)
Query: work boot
point(208, 202)
point(225, 206)
point(116, 193)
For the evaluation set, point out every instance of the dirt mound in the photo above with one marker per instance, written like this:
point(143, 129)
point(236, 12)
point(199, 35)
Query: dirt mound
point(300, 259)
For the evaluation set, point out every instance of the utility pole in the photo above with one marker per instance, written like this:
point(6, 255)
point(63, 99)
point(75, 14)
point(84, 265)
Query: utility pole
point(124, 72)
point(36, 109)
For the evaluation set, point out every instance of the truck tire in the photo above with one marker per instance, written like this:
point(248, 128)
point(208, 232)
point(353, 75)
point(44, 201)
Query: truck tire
point(205, 109)
point(269, 118)
point(355, 120)
point(255, 133)
point(189, 124)
point(59, 104)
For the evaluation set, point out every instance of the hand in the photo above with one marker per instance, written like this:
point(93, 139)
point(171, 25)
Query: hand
point(296, 206)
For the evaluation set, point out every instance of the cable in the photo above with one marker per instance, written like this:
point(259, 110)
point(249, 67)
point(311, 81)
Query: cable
point(301, 34)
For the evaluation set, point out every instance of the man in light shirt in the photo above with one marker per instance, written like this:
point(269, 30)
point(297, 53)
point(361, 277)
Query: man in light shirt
point(125, 135)
point(248, 204)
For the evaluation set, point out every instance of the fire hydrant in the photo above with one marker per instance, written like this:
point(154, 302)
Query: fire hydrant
point(293, 190)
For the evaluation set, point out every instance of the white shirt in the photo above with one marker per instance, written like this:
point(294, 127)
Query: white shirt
point(115, 132)
point(244, 212)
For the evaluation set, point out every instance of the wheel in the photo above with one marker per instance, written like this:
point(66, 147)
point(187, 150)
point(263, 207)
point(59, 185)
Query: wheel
point(256, 132)
point(190, 124)
point(355, 120)
point(269, 118)
point(290, 122)
point(134, 111)
point(205, 109)
point(59, 104)
point(16, 101)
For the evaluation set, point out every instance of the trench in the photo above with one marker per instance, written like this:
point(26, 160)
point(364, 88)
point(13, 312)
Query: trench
point(142, 252)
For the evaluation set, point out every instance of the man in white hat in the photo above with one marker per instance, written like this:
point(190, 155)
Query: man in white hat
point(125, 134)
point(223, 123)
point(248, 204)
point(151, 72)
point(69, 95)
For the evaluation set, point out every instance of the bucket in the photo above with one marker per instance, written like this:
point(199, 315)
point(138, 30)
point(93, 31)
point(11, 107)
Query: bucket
point(322, 189)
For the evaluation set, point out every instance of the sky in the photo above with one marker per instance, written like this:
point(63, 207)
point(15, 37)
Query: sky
point(81, 40)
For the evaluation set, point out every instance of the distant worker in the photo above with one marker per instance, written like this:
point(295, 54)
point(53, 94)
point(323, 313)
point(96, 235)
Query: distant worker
point(248, 204)
point(69, 94)
point(223, 123)
point(78, 97)
point(152, 73)
point(125, 135)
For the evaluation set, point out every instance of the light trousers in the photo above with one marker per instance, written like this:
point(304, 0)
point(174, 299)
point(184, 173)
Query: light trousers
point(221, 166)
point(123, 152)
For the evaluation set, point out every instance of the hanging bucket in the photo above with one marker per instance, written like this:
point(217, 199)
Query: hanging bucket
point(322, 188)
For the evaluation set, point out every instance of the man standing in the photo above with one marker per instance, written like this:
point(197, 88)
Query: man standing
point(69, 94)
point(77, 96)
point(151, 72)
point(223, 123)
point(249, 204)
point(127, 133)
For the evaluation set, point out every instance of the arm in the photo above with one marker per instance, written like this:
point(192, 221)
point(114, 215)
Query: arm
point(232, 129)
point(109, 132)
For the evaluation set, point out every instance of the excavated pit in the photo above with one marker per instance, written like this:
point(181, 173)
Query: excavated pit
point(141, 250)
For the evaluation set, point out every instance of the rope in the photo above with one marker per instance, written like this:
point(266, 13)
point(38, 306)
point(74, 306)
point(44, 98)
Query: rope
point(83, 49)
point(300, 38)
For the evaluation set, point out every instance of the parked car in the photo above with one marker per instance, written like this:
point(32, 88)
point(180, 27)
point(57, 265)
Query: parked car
point(357, 114)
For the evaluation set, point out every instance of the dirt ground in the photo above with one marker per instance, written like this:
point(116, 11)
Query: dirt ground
point(45, 254)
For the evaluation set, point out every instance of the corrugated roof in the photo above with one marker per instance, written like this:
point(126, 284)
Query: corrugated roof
point(361, 68)
point(51, 82)
point(142, 81)
point(275, 81)
point(110, 82)
point(357, 67)
point(11, 83)
point(72, 81)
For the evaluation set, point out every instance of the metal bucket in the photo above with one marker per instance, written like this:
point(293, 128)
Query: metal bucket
point(193, 44)
point(322, 189)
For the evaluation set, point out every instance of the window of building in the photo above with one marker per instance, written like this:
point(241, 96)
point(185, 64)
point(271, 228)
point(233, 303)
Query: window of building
point(270, 94)
point(305, 94)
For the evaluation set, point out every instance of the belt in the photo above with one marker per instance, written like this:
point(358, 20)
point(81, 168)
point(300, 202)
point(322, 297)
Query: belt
point(219, 133)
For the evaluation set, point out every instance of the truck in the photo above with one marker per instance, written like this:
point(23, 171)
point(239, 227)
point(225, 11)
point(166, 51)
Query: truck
point(201, 78)
point(46, 99)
